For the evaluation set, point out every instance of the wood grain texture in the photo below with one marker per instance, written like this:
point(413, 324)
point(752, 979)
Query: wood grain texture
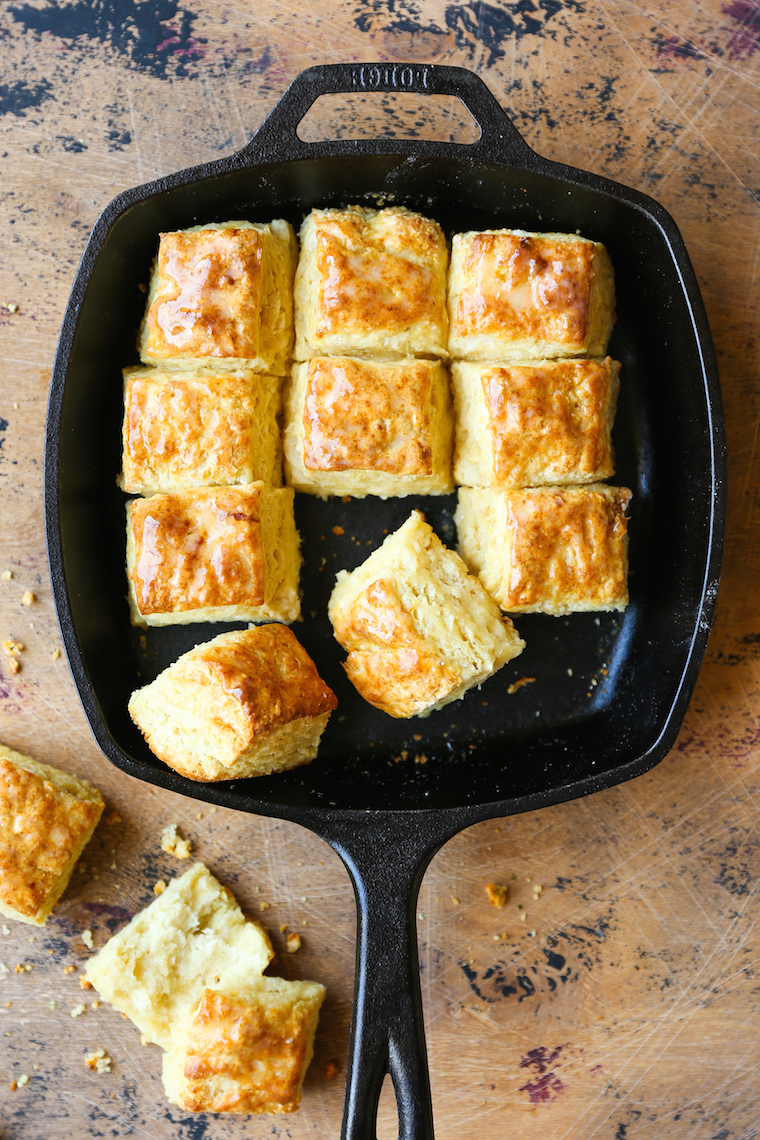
point(625, 1006)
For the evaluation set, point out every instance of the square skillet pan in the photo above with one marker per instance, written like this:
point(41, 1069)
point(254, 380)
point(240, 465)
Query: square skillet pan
point(494, 754)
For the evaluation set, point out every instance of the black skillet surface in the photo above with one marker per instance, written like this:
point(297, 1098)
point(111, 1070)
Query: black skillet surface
point(610, 690)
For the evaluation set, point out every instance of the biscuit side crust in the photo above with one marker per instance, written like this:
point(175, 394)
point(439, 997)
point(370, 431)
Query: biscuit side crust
point(244, 1049)
point(191, 937)
point(47, 817)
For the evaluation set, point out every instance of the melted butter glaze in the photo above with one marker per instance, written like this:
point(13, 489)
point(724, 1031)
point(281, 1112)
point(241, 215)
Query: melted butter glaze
point(198, 548)
point(548, 421)
point(525, 287)
point(377, 272)
point(208, 299)
point(368, 417)
point(567, 545)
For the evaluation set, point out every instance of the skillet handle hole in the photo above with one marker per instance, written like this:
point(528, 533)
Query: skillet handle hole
point(388, 1122)
point(390, 114)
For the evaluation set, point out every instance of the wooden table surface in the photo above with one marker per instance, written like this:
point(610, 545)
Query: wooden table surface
point(630, 1005)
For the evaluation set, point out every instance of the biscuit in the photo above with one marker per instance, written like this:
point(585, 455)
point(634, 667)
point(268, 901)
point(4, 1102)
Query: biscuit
point(199, 429)
point(365, 428)
point(221, 296)
point(551, 550)
point(213, 554)
point(517, 296)
point(245, 1048)
point(419, 629)
point(47, 817)
point(192, 937)
point(526, 425)
point(247, 703)
point(371, 283)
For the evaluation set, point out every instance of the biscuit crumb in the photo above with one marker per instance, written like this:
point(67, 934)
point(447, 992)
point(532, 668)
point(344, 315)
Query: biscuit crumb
point(23, 1080)
point(99, 1061)
point(331, 1070)
point(85, 984)
point(455, 900)
point(24, 968)
point(173, 843)
point(338, 530)
point(87, 938)
point(51, 1005)
point(497, 895)
point(78, 1010)
point(293, 943)
point(69, 969)
point(113, 817)
point(7, 575)
point(159, 887)
point(12, 308)
point(519, 684)
point(421, 759)
point(14, 666)
point(264, 906)
point(27, 598)
point(95, 1004)
point(13, 1086)
point(283, 927)
point(55, 655)
point(13, 647)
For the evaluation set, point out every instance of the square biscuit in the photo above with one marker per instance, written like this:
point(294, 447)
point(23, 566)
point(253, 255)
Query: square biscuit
point(221, 296)
point(527, 425)
point(360, 427)
point(371, 283)
point(419, 629)
point(199, 429)
point(213, 554)
point(191, 937)
point(550, 550)
point(517, 296)
point(47, 818)
point(246, 703)
point(245, 1048)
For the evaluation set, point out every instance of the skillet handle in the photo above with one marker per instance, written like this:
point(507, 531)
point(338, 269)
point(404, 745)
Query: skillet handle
point(386, 862)
point(277, 138)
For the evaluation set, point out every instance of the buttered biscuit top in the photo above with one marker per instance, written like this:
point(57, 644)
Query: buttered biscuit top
point(208, 296)
point(371, 282)
point(515, 296)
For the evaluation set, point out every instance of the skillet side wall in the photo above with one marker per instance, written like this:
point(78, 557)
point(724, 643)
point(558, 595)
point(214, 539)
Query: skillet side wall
point(550, 734)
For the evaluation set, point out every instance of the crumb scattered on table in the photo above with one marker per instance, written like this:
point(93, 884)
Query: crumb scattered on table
point(27, 598)
point(159, 887)
point(519, 684)
point(293, 943)
point(497, 894)
point(173, 843)
point(87, 938)
point(99, 1061)
point(78, 1010)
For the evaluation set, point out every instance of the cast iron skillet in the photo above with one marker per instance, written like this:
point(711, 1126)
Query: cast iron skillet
point(610, 690)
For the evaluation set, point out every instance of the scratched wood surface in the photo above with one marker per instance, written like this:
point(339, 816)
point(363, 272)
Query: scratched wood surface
point(626, 1006)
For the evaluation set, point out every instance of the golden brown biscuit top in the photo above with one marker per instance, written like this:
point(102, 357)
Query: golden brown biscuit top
point(270, 675)
point(376, 272)
point(361, 416)
point(245, 1058)
point(41, 827)
point(391, 665)
point(209, 295)
point(567, 543)
point(525, 287)
point(553, 415)
point(173, 425)
point(198, 548)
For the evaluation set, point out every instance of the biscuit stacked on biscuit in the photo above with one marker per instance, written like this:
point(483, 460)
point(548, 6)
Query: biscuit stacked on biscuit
point(187, 971)
point(535, 397)
point(214, 537)
point(368, 407)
